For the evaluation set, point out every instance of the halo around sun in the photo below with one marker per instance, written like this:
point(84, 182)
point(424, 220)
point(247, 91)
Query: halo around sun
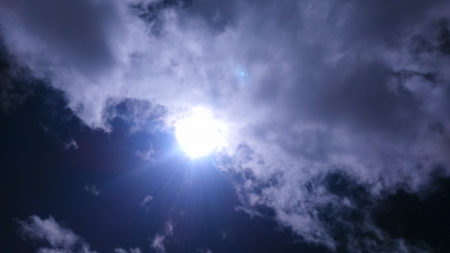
point(200, 134)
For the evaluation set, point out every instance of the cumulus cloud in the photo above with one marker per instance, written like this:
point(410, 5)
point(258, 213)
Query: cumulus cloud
point(57, 238)
point(309, 89)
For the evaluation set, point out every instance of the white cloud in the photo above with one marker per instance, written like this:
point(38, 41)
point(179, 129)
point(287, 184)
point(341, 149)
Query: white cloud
point(158, 243)
point(58, 238)
point(159, 240)
point(52, 251)
point(146, 200)
point(307, 88)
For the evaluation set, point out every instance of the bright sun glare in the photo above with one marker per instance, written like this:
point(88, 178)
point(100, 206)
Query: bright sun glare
point(199, 134)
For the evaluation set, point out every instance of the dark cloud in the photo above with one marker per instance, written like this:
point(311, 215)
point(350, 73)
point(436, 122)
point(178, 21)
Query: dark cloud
point(77, 30)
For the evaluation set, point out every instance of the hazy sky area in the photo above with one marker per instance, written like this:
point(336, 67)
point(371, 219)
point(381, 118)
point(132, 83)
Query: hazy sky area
point(330, 121)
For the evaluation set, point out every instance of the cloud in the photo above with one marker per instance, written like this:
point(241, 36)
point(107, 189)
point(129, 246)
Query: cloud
point(57, 238)
point(225, 234)
point(67, 142)
point(204, 251)
point(308, 89)
point(92, 189)
point(147, 156)
point(146, 200)
point(120, 250)
point(71, 144)
point(159, 240)
point(158, 243)
point(168, 230)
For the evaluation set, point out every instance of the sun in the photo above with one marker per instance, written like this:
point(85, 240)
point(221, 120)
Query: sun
point(199, 134)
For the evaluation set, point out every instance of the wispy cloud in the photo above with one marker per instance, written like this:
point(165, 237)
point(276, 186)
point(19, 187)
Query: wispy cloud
point(158, 242)
point(71, 144)
point(204, 251)
point(225, 234)
point(147, 155)
point(146, 200)
point(168, 230)
point(92, 189)
point(57, 238)
point(120, 250)
point(66, 142)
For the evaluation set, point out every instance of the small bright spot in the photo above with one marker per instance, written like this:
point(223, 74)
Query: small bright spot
point(241, 74)
point(199, 134)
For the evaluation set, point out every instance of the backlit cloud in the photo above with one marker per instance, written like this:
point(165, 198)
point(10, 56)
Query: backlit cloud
point(311, 91)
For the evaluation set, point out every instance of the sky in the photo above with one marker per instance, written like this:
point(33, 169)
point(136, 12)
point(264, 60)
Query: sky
point(332, 118)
